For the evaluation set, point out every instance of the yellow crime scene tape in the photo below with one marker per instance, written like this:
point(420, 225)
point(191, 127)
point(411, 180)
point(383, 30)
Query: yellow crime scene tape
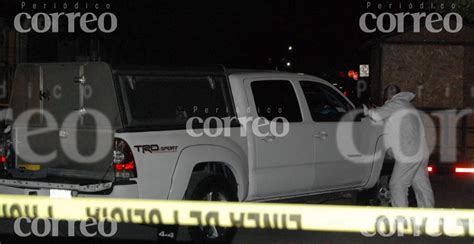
point(306, 217)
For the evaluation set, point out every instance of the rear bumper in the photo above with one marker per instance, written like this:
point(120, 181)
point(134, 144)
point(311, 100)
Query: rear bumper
point(128, 190)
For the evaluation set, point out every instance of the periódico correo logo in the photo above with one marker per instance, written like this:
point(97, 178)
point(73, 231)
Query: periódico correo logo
point(42, 22)
point(388, 22)
point(55, 17)
point(433, 17)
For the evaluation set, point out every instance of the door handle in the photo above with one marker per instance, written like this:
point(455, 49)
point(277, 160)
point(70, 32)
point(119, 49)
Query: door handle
point(321, 135)
point(80, 79)
point(268, 138)
point(82, 111)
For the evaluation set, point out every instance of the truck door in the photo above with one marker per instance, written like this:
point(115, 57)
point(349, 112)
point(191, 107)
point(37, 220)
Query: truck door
point(333, 169)
point(46, 89)
point(284, 164)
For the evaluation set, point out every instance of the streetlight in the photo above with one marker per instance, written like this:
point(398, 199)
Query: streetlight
point(290, 48)
point(288, 64)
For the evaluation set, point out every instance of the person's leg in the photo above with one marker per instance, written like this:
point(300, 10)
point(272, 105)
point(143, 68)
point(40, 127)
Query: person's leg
point(422, 187)
point(401, 180)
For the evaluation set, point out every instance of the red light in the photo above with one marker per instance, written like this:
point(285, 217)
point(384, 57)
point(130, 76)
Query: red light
point(345, 93)
point(118, 167)
point(126, 166)
point(3, 159)
point(355, 76)
point(351, 73)
point(130, 166)
point(430, 169)
point(465, 170)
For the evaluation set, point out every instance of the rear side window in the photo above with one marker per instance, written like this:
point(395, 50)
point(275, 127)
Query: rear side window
point(171, 101)
point(276, 98)
point(325, 104)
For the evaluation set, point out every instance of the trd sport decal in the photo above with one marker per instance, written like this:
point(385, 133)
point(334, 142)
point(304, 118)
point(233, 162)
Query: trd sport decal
point(154, 148)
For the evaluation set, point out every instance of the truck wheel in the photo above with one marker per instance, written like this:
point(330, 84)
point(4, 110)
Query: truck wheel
point(379, 195)
point(211, 187)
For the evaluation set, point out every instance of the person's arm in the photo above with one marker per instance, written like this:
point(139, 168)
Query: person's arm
point(380, 113)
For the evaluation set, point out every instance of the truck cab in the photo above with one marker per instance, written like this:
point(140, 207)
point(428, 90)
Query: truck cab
point(313, 109)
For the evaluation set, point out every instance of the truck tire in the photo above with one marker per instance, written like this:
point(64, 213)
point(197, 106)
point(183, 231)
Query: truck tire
point(211, 187)
point(379, 195)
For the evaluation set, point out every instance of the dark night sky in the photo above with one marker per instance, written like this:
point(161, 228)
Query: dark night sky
point(246, 34)
point(325, 34)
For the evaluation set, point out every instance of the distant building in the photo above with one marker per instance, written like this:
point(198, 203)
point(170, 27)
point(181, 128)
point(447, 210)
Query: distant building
point(438, 67)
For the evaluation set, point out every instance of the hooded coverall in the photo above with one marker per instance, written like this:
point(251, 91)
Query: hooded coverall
point(403, 126)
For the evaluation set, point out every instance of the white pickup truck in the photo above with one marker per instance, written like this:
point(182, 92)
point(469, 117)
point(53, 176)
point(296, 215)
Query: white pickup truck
point(159, 133)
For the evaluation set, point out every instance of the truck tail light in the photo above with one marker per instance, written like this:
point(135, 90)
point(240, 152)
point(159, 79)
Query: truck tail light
point(123, 161)
point(7, 159)
point(3, 162)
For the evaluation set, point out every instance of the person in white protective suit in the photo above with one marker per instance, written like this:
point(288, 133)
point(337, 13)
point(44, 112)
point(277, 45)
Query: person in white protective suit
point(406, 138)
